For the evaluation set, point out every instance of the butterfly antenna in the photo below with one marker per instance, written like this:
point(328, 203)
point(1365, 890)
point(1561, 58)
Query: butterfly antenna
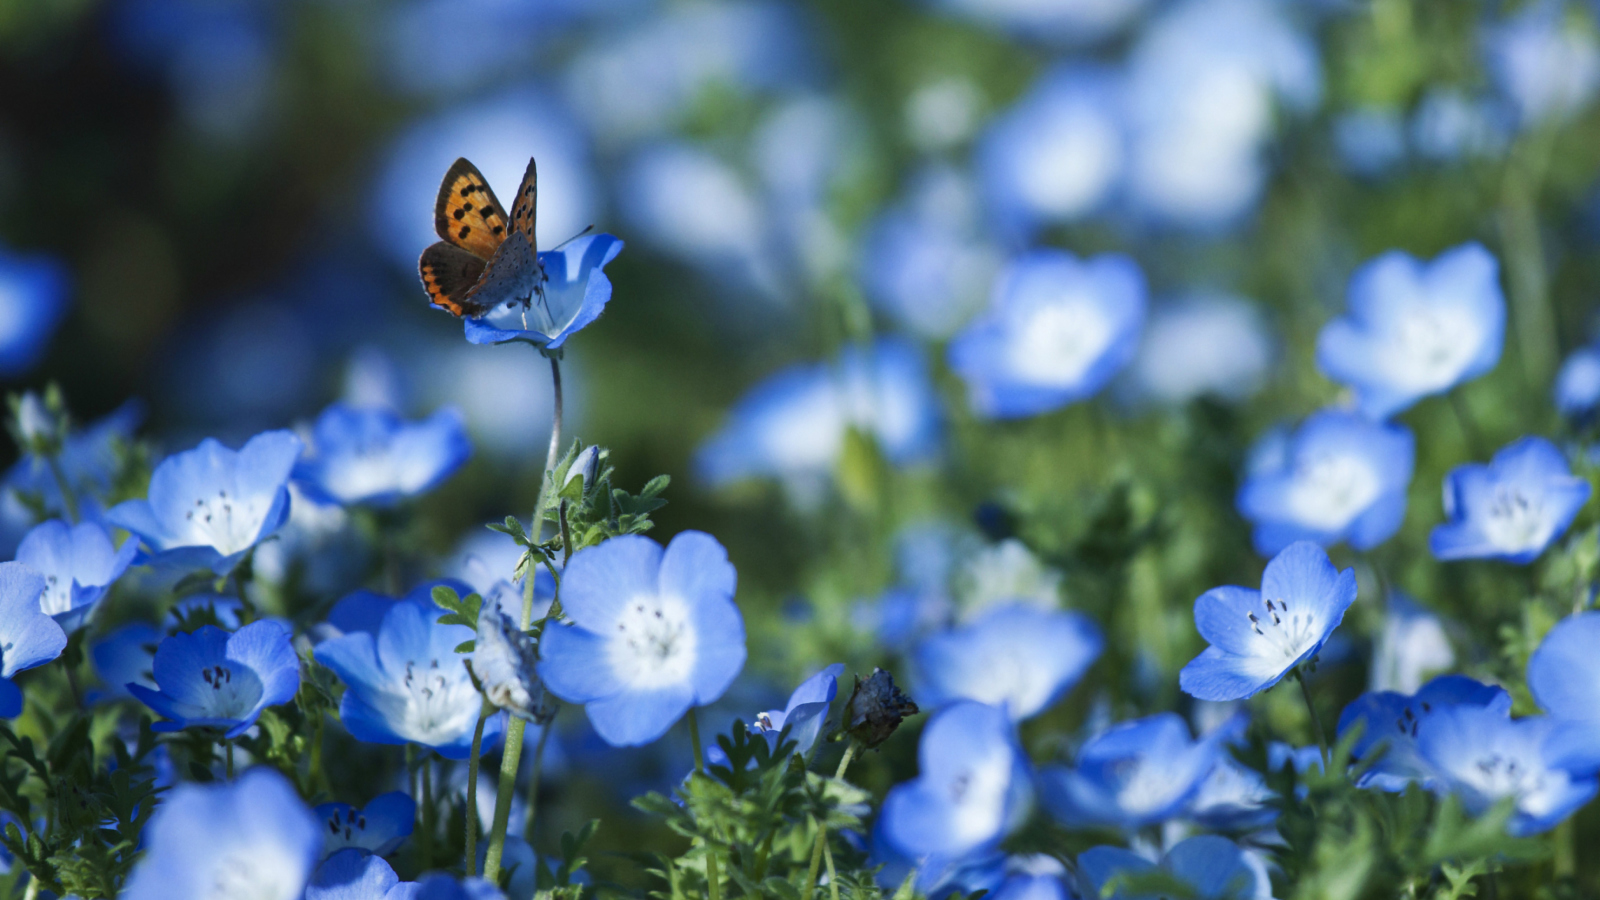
point(586, 230)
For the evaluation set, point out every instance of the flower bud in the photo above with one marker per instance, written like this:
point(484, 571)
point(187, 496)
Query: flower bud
point(876, 708)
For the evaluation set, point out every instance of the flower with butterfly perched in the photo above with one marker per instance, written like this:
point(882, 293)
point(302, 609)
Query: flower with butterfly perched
point(487, 271)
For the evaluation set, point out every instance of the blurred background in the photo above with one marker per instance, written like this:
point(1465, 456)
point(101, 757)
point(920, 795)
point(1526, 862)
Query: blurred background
point(216, 207)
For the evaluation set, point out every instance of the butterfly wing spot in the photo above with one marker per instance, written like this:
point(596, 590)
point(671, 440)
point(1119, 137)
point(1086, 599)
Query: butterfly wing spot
point(466, 212)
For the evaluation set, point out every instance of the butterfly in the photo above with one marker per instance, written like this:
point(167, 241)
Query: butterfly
point(484, 260)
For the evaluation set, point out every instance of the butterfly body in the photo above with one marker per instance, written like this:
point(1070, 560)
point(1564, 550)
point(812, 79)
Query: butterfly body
point(484, 259)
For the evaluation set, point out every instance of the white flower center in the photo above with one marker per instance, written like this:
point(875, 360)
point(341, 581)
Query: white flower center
point(1429, 348)
point(1496, 775)
point(248, 873)
point(346, 828)
point(1142, 788)
point(57, 596)
point(979, 790)
point(1284, 632)
point(437, 703)
point(227, 523)
point(231, 695)
point(654, 644)
point(1329, 491)
point(1516, 521)
point(1059, 342)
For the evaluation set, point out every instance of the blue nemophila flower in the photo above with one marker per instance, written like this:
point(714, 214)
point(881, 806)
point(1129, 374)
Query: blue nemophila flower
point(378, 827)
point(1543, 62)
point(1564, 676)
point(88, 461)
point(1131, 775)
point(125, 655)
point(1232, 798)
point(653, 632)
point(368, 455)
point(352, 874)
point(574, 292)
point(805, 712)
point(214, 679)
point(793, 425)
point(1483, 757)
point(1203, 344)
point(973, 787)
point(1416, 328)
point(1510, 509)
point(250, 838)
point(1411, 646)
point(28, 637)
point(1257, 637)
point(405, 683)
point(1214, 868)
point(209, 506)
point(1338, 477)
point(78, 562)
point(1391, 724)
point(1057, 329)
point(1019, 658)
point(33, 298)
point(1577, 387)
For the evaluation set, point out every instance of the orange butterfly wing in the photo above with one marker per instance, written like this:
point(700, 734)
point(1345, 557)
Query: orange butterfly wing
point(524, 207)
point(467, 213)
point(449, 274)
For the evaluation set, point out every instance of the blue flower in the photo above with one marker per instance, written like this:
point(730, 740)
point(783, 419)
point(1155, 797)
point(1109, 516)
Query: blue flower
point(209, 506)
point(125, 655)
point(1019, 658)
point(33, 298)
point(405, 683)
point(1412, 645)
point(1133, 774)
point(214, 679)
point(1416, 329)
point(1339, 477)
point(1391, 724)
point(1057, 329)
point(1257, 637)
point(367, 455)
point(1483, 757)
point(352, 874)
point(1371, 140)
point(574, 293)
point(653, 632)
point(1510, 509)
point(974, 786)
point(252, 837)
point(1548, 67)
point(28, 637)
point(1204, 344)
point(1577, 388)
point(88, 462)
point(1233, 798)
point(1057, 155)
point(1063, 23)
point(1562, 677)
point(1214, 868)
point(1034, 878)
point(377, 828)
point(805, 712)
point(79, 564)
point(793, 425)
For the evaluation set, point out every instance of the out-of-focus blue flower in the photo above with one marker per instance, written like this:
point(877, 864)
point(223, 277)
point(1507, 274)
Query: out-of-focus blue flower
point(1257, 637)
point(1545, 65)
point(1416, 328)
point(793, 424)
point(1577, 388)
point(1131, 775)
point(87, 460)
point(374, 456)
point(1392, 723)
point(925, 262)
point(1214, 868)
point(574, 293)
point(498, 134)
point(1411, 646)
point(1510, 509)
point(933, 875)
point(363, 611)
point(1338, 477)
point(1017, 658)
point(377, 828)
point(805, 712)
point(973, 789)
point(1233, 798)
point(1562, 677)
point(210, 505)
point(79, 564)
point(1057, 329)
point(1204, 344)
point(213, 679)
point(1204, 80)
point(1057, 155)
point(1071, 22)
point(1480, 755)
point(1005, 574)
point(1371, 140)
point(252, 837)
point(352, 874)
point(405, 683)
point(28, 637)
point(33, 298)
point(654, 632)
point(1448, 126)
point(126, 655)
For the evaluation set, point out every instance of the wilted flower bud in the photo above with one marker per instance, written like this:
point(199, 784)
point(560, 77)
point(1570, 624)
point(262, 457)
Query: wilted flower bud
point(504, 660)
point(875, 708)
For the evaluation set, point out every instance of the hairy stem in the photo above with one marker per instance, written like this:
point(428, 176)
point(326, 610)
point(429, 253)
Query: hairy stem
point(533, 786)
point(713, 875)
point(1311, 710)
point(474, 761)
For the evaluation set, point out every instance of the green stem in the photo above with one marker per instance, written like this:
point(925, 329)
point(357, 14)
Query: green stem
point(713, 874)
point(816, 863)
point(67, 498)
point(319, 777)
point(1525, 258)
point(1316, 723)
point(474, 761)
point(844, 761)
point(229, 755)
point(533, 787)
point(511, 757)
point(820, 848)
point(428, 824)
point(833, 877)
point(1565, 860)
point(1470, 432)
